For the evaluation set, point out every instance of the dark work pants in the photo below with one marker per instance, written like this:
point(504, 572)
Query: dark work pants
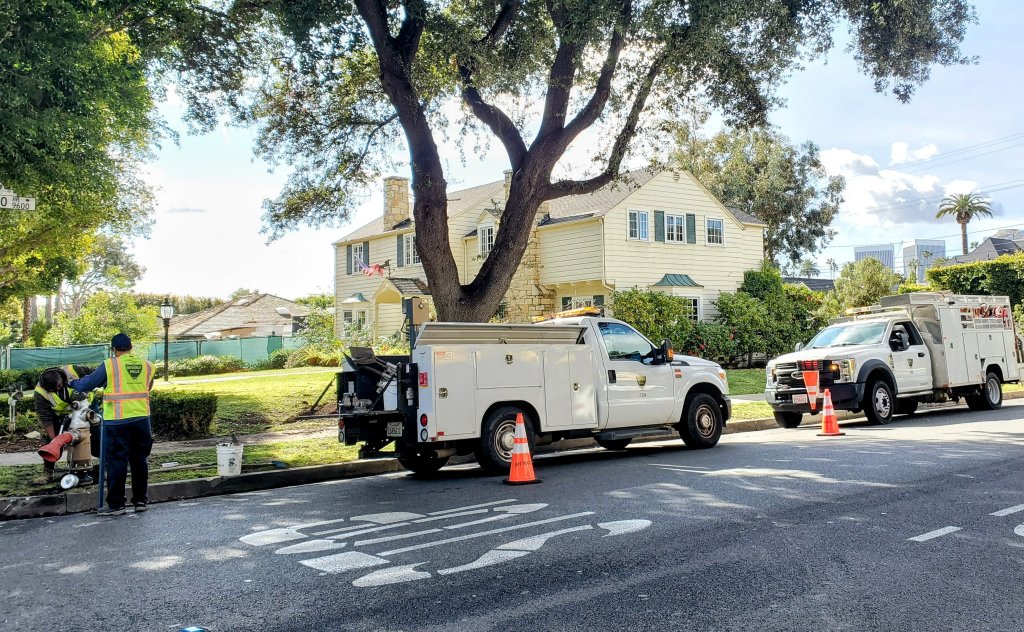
point(128, 444)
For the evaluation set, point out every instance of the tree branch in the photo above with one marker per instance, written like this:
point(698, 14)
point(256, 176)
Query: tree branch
point(506, 16)
point(499, 122)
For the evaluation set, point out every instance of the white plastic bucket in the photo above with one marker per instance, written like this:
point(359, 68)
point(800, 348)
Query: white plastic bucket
point(229, 459)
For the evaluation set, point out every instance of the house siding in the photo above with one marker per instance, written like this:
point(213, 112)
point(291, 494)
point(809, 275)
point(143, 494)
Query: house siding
point(631, 263)
point(571, 252)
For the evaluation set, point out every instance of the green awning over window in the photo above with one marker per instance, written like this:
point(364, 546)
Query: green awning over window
point(356, 298)
point(677, 280)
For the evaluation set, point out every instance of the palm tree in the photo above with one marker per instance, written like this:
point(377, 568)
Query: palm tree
point(832, 267)
point(912, 267)
point(808, 268)
point(964, 207)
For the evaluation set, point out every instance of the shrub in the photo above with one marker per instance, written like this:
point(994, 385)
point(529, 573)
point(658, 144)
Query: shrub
point(655, 314)
point(176, 414)
point(312, 356)
point(277, 360)
point(1002, 276)
point(712, 341)
point(25, 378)
point(206, 365)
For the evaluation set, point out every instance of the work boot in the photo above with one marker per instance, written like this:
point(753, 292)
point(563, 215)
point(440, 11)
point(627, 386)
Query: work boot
point(45, 478)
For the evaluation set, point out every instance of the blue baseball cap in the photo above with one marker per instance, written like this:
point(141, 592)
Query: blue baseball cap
point(121, 342)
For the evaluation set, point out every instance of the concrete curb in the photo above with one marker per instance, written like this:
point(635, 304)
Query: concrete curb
point(78, 502)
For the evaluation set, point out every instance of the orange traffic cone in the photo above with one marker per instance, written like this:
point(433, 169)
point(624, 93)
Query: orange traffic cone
point(811, 382)
point(829, 422)
point(521, 472)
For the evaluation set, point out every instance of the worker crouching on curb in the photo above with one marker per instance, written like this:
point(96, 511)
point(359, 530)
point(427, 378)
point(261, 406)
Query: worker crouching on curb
point(127, 434)
point(52, 400)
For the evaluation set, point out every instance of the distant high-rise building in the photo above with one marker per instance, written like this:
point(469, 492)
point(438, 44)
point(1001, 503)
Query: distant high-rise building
point(886, 253)
point(920, 254)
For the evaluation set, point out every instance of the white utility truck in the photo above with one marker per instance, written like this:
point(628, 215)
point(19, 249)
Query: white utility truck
point(912, 348)
point(573, 376)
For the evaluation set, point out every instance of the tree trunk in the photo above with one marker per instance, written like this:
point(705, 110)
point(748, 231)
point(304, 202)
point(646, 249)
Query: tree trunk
point(49, 309)
point(26, 317)
point(963, 235)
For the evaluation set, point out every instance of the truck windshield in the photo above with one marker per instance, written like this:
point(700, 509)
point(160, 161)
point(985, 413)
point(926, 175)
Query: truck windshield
point(623, 343)
point(848, 334)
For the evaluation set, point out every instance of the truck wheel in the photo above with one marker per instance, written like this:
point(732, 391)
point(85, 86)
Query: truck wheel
point(497, 437)
point(788, 419)
point(702, 422)
point(879, 403)
point(613, 444)
point(906, 406)
point(421, 464)
point(991, 397)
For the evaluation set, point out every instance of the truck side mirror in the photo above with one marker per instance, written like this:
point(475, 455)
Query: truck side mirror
point(798, 346)
point(663, 354)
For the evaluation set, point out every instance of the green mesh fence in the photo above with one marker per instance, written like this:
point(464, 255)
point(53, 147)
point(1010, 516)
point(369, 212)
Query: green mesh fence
point(177, 350)
point(40, 357)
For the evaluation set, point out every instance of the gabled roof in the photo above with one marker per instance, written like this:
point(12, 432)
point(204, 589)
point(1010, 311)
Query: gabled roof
point(410, 287)
point(991, 248)
point(743, 216)
point(677, 280)
point(815, 285)
point(247, 311)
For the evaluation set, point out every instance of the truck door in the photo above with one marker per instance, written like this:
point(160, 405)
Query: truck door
point(639, 393)
point(912, 365)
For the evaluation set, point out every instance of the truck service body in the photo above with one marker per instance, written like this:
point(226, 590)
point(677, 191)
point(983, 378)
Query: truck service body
point(908, 349)
point(464, 384)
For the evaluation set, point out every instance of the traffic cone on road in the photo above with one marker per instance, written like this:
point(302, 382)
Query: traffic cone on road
point(829, 422)
point(521, 472)
point(811, 382)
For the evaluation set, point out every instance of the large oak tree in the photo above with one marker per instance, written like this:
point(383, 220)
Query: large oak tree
point(338, 88)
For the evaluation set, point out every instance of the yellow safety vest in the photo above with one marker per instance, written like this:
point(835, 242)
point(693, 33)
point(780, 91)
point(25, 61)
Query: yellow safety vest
point(127, 393)
point(59, 405)
point(70, 370)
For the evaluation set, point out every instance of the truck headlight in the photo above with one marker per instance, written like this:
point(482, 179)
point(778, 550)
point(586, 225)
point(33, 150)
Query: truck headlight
point(772, 375)
point(843, 370)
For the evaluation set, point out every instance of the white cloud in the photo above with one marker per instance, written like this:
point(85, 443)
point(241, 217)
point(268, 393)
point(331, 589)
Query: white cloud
point(902, 153)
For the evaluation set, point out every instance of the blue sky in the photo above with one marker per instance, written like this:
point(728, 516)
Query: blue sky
point(206, 238)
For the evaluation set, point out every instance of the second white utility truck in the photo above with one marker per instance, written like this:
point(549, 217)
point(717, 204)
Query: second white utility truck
point(908, 349)
point(576, 375)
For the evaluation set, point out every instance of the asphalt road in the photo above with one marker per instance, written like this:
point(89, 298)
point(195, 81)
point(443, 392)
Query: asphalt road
point(912, 526)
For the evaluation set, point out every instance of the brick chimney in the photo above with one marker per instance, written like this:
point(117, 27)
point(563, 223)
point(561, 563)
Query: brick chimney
point(396, 201)
point(508, 183)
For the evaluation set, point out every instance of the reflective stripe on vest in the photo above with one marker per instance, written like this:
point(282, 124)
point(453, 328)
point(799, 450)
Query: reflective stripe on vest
point(70, 370)
point(127, 396)
point(59, 405)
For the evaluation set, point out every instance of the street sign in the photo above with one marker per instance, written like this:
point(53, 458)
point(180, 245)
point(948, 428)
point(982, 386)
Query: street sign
point(9, 201)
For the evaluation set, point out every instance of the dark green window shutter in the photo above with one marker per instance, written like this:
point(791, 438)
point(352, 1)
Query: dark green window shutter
point(691, 229)
point(366, 252)
point(566, 302)
point(401, 250)
point(599, 300)
point(659, 225)
point(348, 259)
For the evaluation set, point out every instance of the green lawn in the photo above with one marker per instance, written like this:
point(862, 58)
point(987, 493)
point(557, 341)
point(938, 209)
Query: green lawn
point(261, 403)
point(745, 381)
point(751, 410)
point(16, 480)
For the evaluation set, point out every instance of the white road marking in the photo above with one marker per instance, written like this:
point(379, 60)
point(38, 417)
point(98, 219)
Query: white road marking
point(934, 534)
point(349, 534)
point(1019, 530)
point(490, 504)
point(389, 517)
point(401, 536)
point(475, 512)
point(463, 525)
point(489, 558)
point(310, 546)
point(393, 575)
point(1008, 511)
point(272, 536)
point(534, 543)
point(620, 527)
point(522, 509)
point(481, 534)
point(343, 562)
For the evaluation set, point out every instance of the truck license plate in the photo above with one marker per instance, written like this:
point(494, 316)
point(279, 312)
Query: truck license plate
point(394, 429)
point(799, 399)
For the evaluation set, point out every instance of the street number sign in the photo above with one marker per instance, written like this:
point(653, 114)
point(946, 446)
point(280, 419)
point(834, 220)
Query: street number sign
point(9, 201)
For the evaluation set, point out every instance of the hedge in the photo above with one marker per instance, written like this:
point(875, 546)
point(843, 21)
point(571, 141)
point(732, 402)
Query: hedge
point(26, 378)
point(175, 414)
point(205, 365)
point(1003, 276)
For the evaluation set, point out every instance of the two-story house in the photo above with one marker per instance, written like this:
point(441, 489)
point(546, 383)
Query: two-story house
point(664, 231)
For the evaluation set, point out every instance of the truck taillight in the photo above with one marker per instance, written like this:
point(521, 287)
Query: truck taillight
point(423, 420)
point(423, 379)
point(341, 424)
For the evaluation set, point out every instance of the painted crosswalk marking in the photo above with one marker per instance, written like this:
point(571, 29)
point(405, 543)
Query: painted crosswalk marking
point(333, 549)
point(1008, 511)
point(924, 537)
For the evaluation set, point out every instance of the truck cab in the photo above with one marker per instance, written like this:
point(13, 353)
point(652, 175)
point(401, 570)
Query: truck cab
point(909, 349)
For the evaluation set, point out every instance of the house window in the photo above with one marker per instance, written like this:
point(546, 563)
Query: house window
point(638, 226)
point(675, 228)
point(485, 235)
point(357, 255)
point(353, 318)
point(577, 302)
point(694, 303)
point(502, 312)
point(716, 232)
point(412, 256)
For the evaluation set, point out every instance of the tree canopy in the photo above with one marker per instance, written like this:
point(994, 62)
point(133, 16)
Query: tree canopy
point(964, 207)
point(760, 172)
point(862, 283)
point(341, 89)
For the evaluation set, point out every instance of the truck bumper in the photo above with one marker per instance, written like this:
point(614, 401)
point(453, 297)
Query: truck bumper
point(844, 397)
point(726, 409)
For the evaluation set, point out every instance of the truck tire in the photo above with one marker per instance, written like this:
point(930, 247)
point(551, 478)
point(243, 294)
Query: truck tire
point(790, 419)
point(494, 453)
point(702, 422)
point(906, 406)
point(991, 397)
point(879, 404)
point(420, 464)
point(613, 444)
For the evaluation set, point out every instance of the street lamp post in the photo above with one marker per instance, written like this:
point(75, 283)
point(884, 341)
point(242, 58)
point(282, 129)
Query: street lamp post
point(167, 313)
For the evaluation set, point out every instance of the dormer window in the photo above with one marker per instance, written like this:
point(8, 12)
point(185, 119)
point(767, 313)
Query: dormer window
point(485, 237)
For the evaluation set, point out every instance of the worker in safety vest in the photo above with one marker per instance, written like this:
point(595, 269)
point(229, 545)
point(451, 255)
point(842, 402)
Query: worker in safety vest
point(52, 400)
point(127, 435)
